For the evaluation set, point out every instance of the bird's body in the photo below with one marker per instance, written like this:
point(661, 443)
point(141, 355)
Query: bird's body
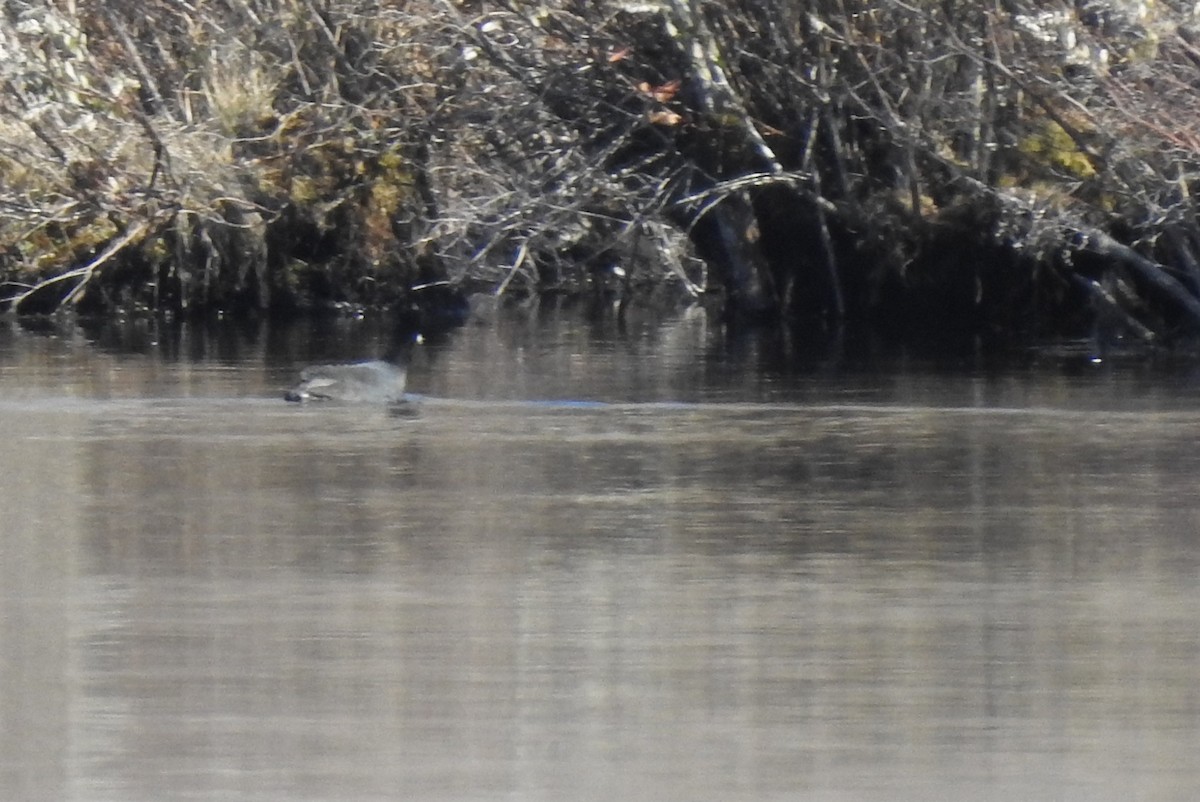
point(382, 381)
point(375, 382)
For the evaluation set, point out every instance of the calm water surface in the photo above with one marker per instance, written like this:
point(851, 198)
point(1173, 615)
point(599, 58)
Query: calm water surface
point(751, 574)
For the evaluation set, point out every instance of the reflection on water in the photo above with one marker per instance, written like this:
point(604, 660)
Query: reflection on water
point(823, 584)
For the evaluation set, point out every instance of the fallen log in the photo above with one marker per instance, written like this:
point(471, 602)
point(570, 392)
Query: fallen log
point(1104, 245)
point(49, 295)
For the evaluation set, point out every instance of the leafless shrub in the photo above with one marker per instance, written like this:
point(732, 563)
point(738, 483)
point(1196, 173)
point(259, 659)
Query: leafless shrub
point(810, 157)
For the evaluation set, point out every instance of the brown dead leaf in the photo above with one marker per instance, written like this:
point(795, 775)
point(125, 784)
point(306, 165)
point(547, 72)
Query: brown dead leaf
point(663, 93)
point(664, 117)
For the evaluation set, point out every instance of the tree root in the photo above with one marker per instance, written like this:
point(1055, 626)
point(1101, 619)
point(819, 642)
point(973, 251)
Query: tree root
point(47, 296)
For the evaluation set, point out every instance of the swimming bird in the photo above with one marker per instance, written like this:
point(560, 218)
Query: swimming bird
point(376, 381)
point(433, 309)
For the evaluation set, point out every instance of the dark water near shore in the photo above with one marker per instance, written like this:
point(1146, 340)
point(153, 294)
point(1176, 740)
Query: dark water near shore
point(752, 573)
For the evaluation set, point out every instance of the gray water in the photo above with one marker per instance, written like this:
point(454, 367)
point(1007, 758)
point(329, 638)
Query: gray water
point(750, 573)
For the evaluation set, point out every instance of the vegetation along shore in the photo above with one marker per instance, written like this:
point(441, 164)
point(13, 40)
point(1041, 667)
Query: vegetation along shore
point(1020, 167)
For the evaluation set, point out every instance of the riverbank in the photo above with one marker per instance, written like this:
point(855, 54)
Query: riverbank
point(941, 168)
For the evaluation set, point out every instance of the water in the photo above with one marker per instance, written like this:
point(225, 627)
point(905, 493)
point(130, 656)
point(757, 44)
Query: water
point(748, 574)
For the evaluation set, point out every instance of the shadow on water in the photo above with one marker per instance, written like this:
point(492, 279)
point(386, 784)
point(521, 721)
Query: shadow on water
point(771, 362)
point(649, 561)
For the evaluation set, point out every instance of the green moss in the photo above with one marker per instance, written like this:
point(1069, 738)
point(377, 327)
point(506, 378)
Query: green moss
point(304, 190)
point(52, 249)
point(386, 198)
point(391, 160)
point(158, 250)
point(1053, 147)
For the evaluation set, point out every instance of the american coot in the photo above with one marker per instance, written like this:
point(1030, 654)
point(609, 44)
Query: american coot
point(377, 382)
point(434, 308)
